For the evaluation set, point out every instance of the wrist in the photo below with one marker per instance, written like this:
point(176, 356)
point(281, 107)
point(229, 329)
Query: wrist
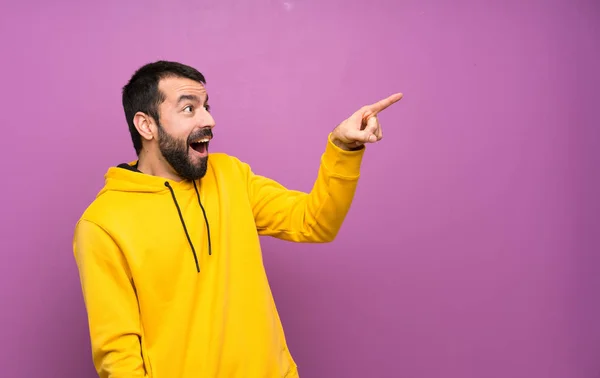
point(343, 146)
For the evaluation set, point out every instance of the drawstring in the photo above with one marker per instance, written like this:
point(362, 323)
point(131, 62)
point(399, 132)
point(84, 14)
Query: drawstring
point(184, 226)
point(205, 219)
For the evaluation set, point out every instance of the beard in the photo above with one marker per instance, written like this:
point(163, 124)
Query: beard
point(177, 153)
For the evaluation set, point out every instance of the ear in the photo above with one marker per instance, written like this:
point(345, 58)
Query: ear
point(144, 125)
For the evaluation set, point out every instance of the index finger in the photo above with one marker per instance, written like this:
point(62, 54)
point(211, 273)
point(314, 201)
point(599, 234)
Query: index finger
point(380, 105)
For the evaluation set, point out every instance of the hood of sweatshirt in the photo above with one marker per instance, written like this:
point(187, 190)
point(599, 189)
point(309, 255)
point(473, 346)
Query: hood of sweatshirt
point(127, 178)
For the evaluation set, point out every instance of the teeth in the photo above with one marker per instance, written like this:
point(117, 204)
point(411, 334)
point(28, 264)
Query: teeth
point(205, 140)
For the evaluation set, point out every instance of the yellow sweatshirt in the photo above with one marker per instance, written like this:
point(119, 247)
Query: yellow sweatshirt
point(172, 272)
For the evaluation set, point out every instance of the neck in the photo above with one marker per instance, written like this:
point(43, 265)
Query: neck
point(156, 165)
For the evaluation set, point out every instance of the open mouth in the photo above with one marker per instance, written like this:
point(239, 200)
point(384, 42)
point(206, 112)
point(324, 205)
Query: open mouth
point(200, 145)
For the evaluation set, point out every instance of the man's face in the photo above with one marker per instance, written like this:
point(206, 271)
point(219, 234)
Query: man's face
point(185, 127)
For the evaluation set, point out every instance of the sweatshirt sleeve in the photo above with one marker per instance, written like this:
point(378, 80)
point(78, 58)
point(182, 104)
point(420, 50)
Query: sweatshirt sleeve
point(314, 217)
point(111, 304)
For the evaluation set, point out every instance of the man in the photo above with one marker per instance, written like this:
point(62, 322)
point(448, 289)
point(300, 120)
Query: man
point(168, 253)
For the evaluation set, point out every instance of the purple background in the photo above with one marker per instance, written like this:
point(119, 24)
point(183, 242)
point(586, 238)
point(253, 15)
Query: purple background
point(472, 247)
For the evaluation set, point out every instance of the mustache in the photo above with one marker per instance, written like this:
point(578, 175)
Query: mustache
point(202, 133)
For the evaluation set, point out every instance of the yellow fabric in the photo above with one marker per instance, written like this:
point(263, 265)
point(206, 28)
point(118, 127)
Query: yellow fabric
point(152, 314)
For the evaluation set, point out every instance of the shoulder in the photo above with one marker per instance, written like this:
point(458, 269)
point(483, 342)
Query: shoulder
point(225, 164)
point(220, 158)
point(96, 212)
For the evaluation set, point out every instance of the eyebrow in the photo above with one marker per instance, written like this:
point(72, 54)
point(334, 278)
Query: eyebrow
point(190, 98)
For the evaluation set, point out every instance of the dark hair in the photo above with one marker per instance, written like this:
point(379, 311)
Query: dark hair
point(141, 94)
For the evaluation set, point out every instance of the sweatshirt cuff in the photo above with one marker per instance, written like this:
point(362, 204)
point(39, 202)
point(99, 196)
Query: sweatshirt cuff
point(342, 163)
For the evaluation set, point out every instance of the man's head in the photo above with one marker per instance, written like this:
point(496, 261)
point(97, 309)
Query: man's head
point(166, 106)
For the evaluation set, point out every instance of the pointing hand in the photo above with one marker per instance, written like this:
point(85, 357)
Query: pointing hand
point(362, 126)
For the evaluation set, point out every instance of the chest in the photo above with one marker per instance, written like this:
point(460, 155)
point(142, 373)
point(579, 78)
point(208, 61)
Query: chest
point(170, 239)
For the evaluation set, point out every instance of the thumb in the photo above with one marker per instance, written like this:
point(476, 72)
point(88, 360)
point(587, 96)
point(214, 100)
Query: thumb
point(362, 136)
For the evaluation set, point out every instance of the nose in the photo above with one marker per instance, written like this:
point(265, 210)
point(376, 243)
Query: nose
point(206, 119)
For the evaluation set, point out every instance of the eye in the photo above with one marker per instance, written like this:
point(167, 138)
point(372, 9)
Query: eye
point(207, 107)
point(188, 109)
